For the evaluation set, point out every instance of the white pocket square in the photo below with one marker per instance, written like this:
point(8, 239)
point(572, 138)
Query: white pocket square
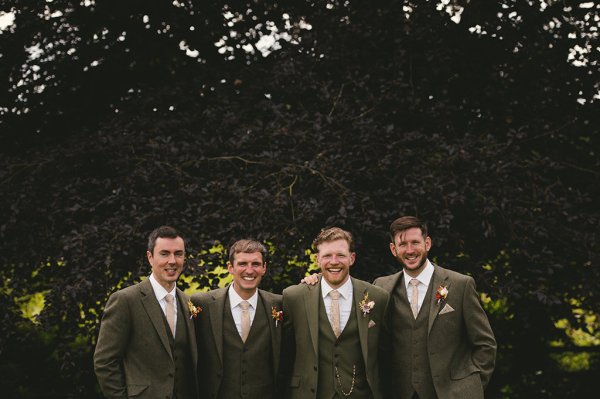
point(447, 309)
point(372, 323)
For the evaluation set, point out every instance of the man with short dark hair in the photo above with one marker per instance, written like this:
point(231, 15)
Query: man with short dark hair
point(146, 346)
point(441, 344)
point(331, 330)
point(239, 330)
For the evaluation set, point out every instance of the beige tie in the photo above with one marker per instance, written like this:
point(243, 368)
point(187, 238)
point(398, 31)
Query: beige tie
point(414, 297)
point(335, 312)
point(171, 312)
point(245, 320)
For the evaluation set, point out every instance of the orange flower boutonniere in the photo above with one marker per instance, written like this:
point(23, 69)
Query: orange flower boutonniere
point(441, 294)
point(194, 310)
point(366, 305)
point(277, 315)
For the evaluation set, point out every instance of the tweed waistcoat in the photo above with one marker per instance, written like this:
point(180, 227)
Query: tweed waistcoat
point(247, 367)
point(340, 357)
point(409, 343)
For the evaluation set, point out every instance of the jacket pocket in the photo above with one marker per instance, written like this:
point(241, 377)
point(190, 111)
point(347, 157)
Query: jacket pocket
point(463, 372)
point(295, 381)
point(136, 390)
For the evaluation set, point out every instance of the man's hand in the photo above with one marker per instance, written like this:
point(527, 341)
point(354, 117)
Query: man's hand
point(313, 279)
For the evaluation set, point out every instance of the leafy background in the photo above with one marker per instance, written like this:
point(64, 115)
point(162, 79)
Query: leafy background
point(275, 119)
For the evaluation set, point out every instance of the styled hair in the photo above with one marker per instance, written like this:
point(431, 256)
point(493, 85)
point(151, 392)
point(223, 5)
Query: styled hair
point(161, 232)
point(333, 234)
point(404, 223)
point(247, 246)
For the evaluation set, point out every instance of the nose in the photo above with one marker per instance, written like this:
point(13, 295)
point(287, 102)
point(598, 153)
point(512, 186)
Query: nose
point(171, 258)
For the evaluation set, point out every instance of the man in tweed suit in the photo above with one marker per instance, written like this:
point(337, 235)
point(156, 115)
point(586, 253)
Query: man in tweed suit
point(441, 344)
point(331, 330)
point(146, 346)
point(239, 330)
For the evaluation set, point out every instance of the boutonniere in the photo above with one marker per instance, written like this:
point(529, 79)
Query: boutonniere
point(366, 305)
point(441, 294)
point(194, 310)
point(277, 315)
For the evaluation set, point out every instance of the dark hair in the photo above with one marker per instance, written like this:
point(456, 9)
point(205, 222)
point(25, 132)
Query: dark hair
point(247, 246)
point(333, 234)
point(161, 232)
point(404, 223)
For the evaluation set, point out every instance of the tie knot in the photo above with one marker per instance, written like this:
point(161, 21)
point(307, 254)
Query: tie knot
point(244, 305)
point(335, 294)
point(169, 298)
point(414, 282)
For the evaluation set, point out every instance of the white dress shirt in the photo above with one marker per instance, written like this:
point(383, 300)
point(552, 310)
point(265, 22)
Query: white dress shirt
point(424, 279)
point(236, 309)
point(345, 301)
point(160, 293)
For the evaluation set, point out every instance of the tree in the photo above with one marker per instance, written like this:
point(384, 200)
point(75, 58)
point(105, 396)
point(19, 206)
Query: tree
point(379, 109)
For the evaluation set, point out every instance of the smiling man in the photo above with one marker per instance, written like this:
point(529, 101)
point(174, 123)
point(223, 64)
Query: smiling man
point(146, 346)
point(239, 330)
point(331, 329)
point(441, 343)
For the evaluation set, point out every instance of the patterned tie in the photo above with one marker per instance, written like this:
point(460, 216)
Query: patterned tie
point(414, 297)
point(245, 319)
point(171, 312)
point(335, 312)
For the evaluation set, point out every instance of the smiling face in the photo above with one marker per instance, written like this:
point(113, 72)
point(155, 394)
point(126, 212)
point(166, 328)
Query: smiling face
point(410, 248)
point(166, 260)
point(247, 271)
point(334, 258)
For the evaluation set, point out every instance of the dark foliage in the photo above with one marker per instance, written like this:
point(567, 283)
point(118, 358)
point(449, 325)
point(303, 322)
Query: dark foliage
point(368, 116)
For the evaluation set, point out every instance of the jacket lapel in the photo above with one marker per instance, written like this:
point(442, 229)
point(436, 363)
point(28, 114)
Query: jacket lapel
point(275, 338)
point(359, 292)
point(439, 278)
point(189, 324)
point(155, 314)
point(217, 307)
point(311, 304)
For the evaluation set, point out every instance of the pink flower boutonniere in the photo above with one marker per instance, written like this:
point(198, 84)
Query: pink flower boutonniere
point(194, 310)
point(366, 305)
point(277, 315)
point(441, 294)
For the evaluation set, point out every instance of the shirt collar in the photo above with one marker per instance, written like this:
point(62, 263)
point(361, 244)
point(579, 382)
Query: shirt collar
point(424, 277)
point(159, 290)
point(235, 299)
point(345, 290)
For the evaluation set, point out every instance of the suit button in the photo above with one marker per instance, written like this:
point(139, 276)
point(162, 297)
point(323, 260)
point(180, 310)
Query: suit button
point(315, 367)
point(312, 390)
point(171, 375)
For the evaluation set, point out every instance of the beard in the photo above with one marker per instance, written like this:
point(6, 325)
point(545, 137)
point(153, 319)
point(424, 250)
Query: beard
point(419, 266)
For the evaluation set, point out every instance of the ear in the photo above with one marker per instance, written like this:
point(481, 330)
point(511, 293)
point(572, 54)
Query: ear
point(149, 256)
point(393, 248)
point(352, 257)
point(428, 243)
point(229, 267)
